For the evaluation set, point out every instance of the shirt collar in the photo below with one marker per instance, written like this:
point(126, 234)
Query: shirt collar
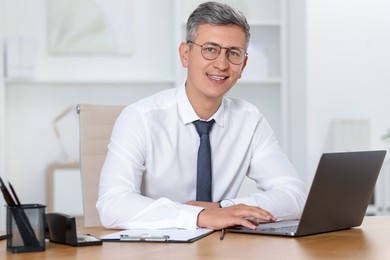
point(188, 113)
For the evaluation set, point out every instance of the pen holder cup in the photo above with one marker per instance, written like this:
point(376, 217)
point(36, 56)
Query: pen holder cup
point(26, 228)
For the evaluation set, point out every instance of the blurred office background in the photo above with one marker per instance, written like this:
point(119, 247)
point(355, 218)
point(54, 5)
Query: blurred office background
point(318, 70)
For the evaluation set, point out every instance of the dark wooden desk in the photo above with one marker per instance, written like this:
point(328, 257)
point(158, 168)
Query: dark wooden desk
point(369, 241)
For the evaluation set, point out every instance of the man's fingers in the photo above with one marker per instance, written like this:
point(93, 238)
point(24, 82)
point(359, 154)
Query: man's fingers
point(247, 223)
point(255, 214)
point(244, 215)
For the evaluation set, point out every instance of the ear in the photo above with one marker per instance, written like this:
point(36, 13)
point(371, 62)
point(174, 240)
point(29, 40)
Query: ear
point(243, 66)
point(184, 50)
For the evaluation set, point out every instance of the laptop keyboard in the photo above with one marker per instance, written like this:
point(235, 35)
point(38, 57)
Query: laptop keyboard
point(286, 229)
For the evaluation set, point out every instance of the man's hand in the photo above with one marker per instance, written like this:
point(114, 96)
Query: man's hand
point(220, 218)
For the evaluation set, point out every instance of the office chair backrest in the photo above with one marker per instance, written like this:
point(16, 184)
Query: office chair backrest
point(96, 123)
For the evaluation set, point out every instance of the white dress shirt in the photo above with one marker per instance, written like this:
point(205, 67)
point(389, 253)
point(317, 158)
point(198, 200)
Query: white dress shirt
point(150, 169)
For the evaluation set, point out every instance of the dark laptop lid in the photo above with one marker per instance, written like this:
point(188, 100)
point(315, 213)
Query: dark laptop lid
point(341, 191)
point(338, 198)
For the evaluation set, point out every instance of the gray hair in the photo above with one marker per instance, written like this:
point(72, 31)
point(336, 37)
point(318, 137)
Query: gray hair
point(217, 14)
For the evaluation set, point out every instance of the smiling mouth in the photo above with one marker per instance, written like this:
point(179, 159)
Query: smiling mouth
point(214, 77)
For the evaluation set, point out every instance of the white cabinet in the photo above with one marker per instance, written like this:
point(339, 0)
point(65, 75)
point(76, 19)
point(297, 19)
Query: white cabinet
point(264, 79)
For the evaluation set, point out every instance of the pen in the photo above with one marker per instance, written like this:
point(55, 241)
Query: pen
point(14, 193)
point(222, 234)
point(7, 197)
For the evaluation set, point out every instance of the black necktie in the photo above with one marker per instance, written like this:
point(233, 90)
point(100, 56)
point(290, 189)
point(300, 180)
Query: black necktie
point(203, 182)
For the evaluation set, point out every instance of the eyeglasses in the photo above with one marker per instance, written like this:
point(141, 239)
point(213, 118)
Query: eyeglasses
point(211, 51)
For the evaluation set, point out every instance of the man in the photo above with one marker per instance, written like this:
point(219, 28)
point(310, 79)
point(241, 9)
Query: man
point(149, 179)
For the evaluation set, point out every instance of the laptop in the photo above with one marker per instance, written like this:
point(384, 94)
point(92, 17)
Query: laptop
point(338, 198)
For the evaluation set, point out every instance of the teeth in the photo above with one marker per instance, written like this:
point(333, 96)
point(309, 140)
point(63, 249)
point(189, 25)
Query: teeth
point(217, 77)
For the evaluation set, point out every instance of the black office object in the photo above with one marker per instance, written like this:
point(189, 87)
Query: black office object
point(3, 236)
point(7, 196)
point(61, 228)
point(14, 194)
point(25, 228)
point(16, 215)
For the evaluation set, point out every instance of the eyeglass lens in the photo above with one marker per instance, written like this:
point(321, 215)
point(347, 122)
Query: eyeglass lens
point(211, 51)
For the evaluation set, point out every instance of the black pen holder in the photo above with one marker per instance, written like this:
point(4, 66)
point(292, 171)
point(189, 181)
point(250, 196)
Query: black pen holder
point(26, 228)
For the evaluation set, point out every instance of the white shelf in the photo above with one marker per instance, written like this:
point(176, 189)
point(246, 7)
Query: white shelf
point(94, 82)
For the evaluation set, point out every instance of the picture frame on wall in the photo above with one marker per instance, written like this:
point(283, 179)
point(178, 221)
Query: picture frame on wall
point(90, 27)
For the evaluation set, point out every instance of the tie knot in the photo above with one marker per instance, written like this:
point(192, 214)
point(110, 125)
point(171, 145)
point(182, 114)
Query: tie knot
point(203, 127)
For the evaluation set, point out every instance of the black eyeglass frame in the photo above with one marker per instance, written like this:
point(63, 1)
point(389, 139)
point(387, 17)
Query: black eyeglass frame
point(220, 48)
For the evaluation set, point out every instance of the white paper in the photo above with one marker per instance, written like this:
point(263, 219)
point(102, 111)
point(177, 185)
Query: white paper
point(174, 234)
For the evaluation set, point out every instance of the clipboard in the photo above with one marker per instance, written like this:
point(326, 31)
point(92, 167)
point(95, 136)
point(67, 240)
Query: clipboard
point(157, 235)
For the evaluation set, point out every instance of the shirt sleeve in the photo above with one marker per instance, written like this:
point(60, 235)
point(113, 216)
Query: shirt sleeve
point(281, 191)
point(121, 204)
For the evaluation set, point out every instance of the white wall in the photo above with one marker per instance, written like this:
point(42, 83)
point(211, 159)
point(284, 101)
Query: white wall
point(348, 75)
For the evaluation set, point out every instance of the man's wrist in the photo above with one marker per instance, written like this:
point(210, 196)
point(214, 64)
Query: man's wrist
point(226, 203)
